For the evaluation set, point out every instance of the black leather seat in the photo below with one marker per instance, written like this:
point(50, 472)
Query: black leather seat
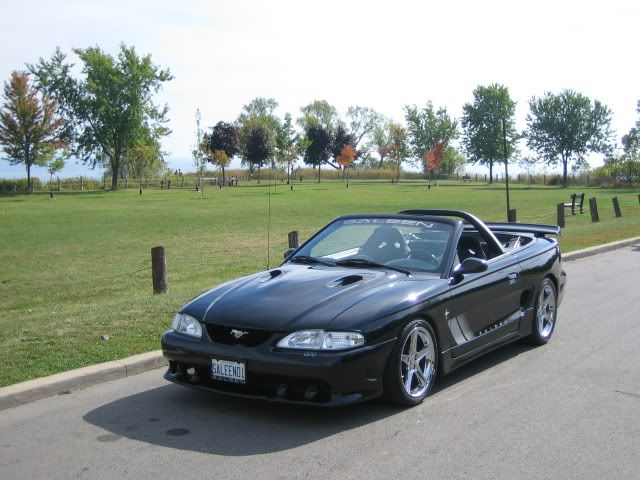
point(470, 247)
point(384, 245)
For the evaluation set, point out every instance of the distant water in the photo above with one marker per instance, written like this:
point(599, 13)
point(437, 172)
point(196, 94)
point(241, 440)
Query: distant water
point(70, 170)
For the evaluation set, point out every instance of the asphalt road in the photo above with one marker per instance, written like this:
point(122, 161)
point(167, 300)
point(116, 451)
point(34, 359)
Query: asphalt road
point(570, 409)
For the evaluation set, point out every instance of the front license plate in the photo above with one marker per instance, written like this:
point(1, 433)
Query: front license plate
point(228, 371)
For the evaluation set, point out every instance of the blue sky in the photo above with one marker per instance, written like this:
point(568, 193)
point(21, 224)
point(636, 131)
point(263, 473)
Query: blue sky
point(370, 53)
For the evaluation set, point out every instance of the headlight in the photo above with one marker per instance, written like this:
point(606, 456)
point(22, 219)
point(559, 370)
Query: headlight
point(186, 325)
point(321, 340)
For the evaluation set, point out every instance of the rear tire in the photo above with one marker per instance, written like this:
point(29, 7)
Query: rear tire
point(411, 369)
point(545, 313)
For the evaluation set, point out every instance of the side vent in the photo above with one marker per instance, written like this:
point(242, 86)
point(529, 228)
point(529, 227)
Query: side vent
point(344, 281)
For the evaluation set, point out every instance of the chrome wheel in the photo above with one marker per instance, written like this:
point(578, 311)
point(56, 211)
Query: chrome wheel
point(546, 314)
point(417, 362)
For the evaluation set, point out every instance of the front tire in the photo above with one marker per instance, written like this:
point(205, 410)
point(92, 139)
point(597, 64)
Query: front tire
point(412, 365)
point(545, 312)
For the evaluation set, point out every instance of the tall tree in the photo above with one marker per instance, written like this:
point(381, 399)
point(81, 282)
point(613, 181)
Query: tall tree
point(631, 141)
point(452, 161)
point(381, 140)
point(362, 122)
point(398, 147)
point(318, 148)
point(340, 138)
point(287, 145)
point(31, 130)
point(259, 147)
point(319, 112)
point(259, 112)
point(427, 127)
point(223, 138)
point(566, 127)
point(482, 129)
point(111, 107)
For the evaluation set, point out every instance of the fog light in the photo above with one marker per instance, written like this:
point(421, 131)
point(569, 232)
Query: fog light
point(191, 371)
point(311, 392)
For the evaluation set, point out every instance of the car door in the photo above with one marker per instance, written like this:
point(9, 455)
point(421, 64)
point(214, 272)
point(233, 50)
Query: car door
point(486, 305)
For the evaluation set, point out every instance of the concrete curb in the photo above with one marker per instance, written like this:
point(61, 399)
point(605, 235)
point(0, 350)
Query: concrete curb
point(33, 390)
point(587, 252)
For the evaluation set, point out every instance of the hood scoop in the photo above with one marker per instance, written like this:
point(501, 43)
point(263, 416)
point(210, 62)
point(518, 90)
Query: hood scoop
point(270, 276)
point(345, 281)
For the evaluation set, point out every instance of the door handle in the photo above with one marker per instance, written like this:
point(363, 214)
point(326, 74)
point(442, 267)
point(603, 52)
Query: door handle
point(513, 277)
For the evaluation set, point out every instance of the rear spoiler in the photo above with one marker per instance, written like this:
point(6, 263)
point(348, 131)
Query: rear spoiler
point(535, 229)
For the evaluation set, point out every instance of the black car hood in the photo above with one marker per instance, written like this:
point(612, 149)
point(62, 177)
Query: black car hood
point(295, 297)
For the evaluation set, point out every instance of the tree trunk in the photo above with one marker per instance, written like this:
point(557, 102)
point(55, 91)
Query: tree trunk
point(223, 175)
point(491, 172)
point(318, 173)
point(564, 171)
point(29, 184)
point(115, 170)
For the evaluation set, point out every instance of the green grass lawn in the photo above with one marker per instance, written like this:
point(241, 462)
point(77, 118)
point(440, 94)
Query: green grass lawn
point(77, 267)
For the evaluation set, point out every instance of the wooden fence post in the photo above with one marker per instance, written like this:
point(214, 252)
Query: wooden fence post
point(159, 270)
point(593, 207)
point(293, 239)
point(616, 207)
point(560, 211)
point(639, 198)
point(512, 216)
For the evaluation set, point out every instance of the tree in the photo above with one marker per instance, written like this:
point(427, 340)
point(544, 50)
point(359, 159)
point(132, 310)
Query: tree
point(224, 138)
point(381, 140)
point(427, 127)
point(482, 130)
point(31, 130)
point(631, 141)
point(362, 122)
point(54, 165)
point(259, 112)
point(111, 108)
point(566, 126)
point(319, 112)
point(200, 149)
point(453, 160)
point(144, 158)
point(397, 148)
point(319, 146)
point(259, 147)
point(433, 158)
point(339, 139)
point(287, 145)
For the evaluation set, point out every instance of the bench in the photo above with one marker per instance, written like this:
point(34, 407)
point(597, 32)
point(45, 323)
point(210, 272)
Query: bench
point(466, 178)
point(572, 204)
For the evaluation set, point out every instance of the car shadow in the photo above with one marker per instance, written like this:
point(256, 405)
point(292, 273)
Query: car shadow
point(177, 417)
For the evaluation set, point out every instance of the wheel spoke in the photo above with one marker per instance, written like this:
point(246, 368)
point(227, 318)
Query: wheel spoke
point(422, 353)
point(422, 378)
point(406, 359)
point(408, 379)
point(414, 343)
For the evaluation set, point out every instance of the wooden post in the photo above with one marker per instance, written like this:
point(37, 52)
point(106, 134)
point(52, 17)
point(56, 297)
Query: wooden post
point(512, 216)
point(639, 198)
point(293, 239)
point(616, 207)
point(159, 270)
point(560, 210)
point(58, 183)
point(81, 184)
point(593, 207)
point(544, 179)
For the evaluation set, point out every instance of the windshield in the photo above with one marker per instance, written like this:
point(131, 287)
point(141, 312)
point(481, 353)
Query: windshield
point(416, 245)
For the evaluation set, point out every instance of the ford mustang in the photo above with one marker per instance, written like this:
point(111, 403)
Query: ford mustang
point(371, 305)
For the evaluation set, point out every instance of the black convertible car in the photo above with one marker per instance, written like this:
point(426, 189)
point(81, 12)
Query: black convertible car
point(371, 305)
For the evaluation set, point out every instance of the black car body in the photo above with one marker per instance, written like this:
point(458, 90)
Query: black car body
point(426, 291)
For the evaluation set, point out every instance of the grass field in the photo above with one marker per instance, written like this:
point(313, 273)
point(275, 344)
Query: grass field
point(77, 267)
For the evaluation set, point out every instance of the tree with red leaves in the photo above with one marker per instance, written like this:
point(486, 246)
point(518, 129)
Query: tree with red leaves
point(30, 129)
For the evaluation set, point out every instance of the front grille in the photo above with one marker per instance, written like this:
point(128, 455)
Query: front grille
point(248, 337)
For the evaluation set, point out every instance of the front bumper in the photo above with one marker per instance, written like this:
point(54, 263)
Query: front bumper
point(338, 378)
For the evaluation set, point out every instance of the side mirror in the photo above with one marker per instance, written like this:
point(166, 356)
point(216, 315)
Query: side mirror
point(470, 265)
point(288, 252)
